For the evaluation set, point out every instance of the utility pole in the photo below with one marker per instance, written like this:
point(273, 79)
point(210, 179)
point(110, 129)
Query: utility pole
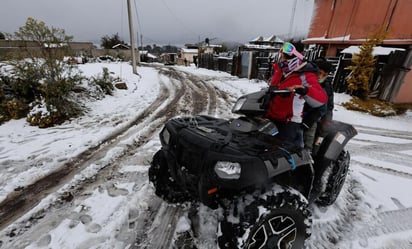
point(132, 38)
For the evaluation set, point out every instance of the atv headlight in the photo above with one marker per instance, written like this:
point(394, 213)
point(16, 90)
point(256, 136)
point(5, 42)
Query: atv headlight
point(238, 104)
point(165, 136)
point(228, 170)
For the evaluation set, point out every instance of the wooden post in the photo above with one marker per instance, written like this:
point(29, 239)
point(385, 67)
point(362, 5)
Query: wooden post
point(132, 38)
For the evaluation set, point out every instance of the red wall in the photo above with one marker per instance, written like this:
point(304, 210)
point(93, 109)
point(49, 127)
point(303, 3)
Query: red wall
point(334, 19)
point(359, 18)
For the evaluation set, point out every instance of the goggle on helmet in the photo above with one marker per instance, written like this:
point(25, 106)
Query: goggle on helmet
point(291, 64)
point(289, 49)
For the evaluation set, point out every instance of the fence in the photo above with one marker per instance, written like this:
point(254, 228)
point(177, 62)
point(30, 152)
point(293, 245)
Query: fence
point(385, 82)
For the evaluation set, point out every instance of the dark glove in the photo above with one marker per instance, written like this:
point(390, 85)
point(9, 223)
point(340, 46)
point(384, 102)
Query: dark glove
point(264, 104)
point(302, 91)
point(272, 88)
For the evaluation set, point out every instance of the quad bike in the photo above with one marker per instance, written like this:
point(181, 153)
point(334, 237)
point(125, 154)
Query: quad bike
point(264, 185)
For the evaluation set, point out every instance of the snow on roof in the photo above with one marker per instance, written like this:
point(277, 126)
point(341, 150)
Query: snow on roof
point(376, 50)
point(341, 38)
point(189, 50)
point(272, 38)
point(146, 52)
point(259, 38)
point(151, 56)
point(276, 39)
point(257, 46)
point(54, 45)
point(214, 46)
point(358, 41)
point(121, 45)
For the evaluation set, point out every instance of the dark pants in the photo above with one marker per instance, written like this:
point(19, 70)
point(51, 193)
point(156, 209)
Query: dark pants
point(291, 132)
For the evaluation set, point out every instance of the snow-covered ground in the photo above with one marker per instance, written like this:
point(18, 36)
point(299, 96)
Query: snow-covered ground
point(107, 199)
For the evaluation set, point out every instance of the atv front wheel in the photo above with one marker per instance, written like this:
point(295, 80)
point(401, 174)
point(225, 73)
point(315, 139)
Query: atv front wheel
point(165, 187)
point(279, 220)
point(335, 179)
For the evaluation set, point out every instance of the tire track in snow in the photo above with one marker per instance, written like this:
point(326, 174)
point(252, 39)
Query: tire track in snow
point(21, 201)
point(358, 224)
point(177, 95)
point(148, 237)
point(384, 132)
point(387, 222)
point(26, 198)
point(328, 233)
point(384, 170)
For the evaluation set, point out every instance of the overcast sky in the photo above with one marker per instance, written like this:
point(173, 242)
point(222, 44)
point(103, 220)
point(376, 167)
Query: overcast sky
point(161, 22)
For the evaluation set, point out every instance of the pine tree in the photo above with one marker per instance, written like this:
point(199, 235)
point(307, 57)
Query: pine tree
point(363, 65)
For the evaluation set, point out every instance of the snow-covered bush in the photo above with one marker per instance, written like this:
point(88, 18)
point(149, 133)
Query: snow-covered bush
point(104, 81)
point(40, 85)
point(43, 115)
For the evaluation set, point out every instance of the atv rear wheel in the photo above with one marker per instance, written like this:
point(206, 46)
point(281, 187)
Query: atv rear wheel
point(275, 219)
point(334, 181)
point(165, 187)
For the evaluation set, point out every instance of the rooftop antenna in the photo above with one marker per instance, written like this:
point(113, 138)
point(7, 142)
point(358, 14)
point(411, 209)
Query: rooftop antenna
point(132, 38)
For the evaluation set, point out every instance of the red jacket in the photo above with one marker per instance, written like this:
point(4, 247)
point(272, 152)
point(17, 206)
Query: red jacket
point(290, 108)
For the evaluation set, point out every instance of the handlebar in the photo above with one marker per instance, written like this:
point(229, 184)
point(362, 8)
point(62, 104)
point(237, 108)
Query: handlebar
point(280, 91)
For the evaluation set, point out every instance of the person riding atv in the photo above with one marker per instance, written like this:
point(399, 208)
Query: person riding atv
point(299, 76)
point(263, 185)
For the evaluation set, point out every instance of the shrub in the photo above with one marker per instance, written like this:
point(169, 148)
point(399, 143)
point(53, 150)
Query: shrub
point(104, 81)
point(40, 76)
point(39, 85)
point(371, 106)
point(12, 109)
point(363, 65)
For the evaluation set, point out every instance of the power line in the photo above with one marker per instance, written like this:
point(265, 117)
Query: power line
point(137, 15)
point(140, 27)
point(178, 19)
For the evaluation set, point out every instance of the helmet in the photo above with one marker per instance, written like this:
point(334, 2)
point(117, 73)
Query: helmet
point(290, 65)
point(294, 59)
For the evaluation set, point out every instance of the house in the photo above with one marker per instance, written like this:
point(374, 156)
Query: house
point(255, 57)
point(168, 58)
point(252, 60)
point(210, 48)
point(145, 56)
point(189, 54)
point(337, 25)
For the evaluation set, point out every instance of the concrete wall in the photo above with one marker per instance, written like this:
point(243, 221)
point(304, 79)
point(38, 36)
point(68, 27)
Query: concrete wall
point(117, 53)
point(76, 48)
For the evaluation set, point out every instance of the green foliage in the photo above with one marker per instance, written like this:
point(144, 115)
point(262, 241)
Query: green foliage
point(44, 116)
point(105, 81)
point(40, 76)
point(38, 84)
point(107, 42)
point(2, 36)
point(363, 65)
point(53, 42)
